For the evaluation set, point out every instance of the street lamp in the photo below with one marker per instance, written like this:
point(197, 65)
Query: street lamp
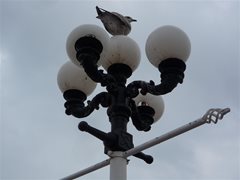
point(89, 47)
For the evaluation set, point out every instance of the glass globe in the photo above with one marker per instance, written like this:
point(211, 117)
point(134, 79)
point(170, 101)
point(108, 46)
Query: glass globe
point(155, 102)
point(71, 76)
point(167, 42)
point(122, 49)
point(86, 30)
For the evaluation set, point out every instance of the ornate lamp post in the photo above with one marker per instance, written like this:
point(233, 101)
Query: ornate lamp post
point(89, 47)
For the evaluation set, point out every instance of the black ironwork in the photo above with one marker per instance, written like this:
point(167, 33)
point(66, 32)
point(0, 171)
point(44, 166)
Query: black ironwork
point(119, 96)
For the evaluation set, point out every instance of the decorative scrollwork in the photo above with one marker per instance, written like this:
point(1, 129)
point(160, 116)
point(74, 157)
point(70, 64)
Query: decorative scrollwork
point(172, 73)
point(79, 110)
point(165, 87)
point(213, 115)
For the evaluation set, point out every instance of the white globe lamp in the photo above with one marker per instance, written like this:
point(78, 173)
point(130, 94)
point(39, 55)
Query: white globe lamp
point(155, 102)
point(122, 50)
point(86, 30)
point(167, 42)
point(72, 77)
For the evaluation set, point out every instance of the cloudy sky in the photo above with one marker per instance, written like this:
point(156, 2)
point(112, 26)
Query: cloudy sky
point(38, 141)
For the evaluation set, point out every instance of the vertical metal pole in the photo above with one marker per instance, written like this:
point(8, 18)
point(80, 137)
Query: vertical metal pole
point(118, 166)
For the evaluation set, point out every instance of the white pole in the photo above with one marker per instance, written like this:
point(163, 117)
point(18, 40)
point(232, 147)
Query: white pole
point(118, 166)
point(212, 115)
point(164, 137)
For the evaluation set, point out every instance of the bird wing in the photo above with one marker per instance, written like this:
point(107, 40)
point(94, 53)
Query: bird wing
point(100, 11)
point(121, 18)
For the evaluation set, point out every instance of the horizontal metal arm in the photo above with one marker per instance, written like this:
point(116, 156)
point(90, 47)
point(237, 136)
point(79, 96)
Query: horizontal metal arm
point(213, 115)
point(88, 170)
point(108, 139)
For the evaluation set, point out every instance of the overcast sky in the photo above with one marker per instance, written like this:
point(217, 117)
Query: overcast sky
point(38, 141)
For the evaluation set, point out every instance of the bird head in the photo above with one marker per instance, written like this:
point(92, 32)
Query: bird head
point(130, 19)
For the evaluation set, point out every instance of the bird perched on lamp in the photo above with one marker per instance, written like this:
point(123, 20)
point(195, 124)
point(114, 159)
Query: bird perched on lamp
point(115, 23)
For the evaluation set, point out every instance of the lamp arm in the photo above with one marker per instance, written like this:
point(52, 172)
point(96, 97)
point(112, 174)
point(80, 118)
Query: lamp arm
point(88, 61)
point(166, 86)
point(81, 111)
point(88, 51)
point(172, 73)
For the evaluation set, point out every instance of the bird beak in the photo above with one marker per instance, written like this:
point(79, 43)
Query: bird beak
point(134, 20)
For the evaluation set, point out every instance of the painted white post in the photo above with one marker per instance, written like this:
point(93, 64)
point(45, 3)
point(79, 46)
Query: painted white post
point(118, 166)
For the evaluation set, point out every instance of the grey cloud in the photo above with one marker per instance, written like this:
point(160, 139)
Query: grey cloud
point(38, 141)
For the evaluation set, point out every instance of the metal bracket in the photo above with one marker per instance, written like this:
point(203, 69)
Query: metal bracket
point(213, 115)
